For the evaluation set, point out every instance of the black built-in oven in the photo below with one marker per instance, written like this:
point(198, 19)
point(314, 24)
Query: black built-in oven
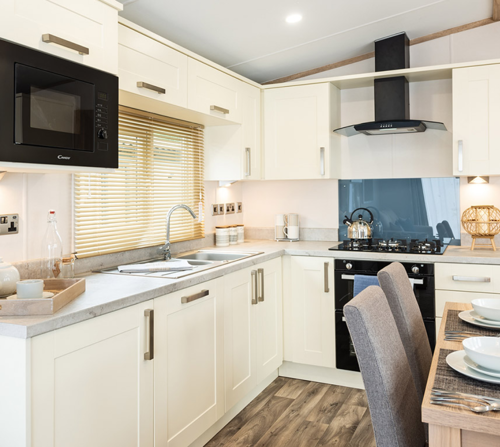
point(423, 276)
point(55, 111)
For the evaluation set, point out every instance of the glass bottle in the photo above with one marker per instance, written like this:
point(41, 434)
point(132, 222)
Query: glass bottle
point(51, 249)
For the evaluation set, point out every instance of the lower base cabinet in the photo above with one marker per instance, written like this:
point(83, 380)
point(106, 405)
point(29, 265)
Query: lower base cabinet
point(91, 385)
point(253, 340)
point(312, 311)
point(188, 369)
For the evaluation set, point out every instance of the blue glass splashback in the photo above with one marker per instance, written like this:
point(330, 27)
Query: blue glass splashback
point(427, 208)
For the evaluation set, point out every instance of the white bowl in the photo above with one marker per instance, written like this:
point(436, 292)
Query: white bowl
point(487, 308)
point(485, 351)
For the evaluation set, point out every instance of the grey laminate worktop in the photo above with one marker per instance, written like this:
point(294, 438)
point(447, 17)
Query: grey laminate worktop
point(107, 293)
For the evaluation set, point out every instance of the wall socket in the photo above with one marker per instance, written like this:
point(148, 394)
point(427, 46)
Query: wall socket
point(221, 208)
point(215, 209)
point(239, 206)
point(9, 224)
point(230, 208)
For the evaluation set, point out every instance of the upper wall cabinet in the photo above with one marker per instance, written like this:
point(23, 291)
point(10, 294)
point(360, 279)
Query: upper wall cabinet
point(298, 132)
point(213, 92)
point(233, 152)
point(150, 68)
point(82, 31)
point(476, 114)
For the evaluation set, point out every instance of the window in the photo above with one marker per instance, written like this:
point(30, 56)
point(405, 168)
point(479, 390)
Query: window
point(161, 165)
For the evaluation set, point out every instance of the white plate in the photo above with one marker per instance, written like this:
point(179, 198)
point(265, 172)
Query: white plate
point(456, 361)
point(484, 320)
point(45, 295)
point(468, 318)
point(480, 369)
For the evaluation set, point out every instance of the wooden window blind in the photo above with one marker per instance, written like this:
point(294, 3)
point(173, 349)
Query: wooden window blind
point(161, 165)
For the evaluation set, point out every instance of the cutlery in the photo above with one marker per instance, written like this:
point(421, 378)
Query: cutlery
point(492, 401)
point(480, 408)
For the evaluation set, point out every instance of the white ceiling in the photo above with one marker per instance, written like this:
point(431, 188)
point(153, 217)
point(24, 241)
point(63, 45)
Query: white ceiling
point(253, 39)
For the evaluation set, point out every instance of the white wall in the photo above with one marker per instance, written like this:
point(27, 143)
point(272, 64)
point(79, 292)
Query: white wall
point(32, 196)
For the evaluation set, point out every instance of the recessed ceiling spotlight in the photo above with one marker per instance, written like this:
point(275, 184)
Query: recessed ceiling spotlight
point(294, 18)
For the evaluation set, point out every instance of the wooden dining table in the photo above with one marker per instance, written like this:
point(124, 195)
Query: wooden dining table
point(453, 426)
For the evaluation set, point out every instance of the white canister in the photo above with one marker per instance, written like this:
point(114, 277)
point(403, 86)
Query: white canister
point(221, 236)
point(8, 278)
point(241, 233)
point(233, 235)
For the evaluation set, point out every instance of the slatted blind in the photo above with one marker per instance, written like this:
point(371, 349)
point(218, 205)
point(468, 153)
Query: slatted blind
point(161, 165)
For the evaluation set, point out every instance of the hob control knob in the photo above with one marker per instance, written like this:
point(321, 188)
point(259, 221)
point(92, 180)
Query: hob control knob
point(415, 269)
point(348, 266)
point(102, 134)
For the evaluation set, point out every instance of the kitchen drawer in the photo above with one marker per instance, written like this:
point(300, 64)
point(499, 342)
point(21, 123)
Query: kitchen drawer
point(91, 24)
point(210, 88)
point(468, 278)
point(141, 59)
point(442, 296)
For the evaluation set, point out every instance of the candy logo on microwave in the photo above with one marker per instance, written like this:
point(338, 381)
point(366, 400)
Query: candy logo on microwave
point(62, 157)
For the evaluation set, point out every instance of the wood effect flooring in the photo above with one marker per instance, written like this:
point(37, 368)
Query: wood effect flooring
point(299, 413)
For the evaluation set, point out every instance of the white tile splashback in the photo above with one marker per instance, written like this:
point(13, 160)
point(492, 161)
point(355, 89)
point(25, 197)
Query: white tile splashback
point(32, 195)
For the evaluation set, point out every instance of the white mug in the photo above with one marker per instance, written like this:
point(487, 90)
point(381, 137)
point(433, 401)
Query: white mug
point(292, 232)
point(29, 289)
point(280, 232)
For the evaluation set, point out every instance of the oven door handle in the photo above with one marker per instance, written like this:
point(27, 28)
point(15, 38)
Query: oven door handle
point(351, 278)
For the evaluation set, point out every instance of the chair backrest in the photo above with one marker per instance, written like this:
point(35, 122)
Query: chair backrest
point(394, 406)
point(399, 293)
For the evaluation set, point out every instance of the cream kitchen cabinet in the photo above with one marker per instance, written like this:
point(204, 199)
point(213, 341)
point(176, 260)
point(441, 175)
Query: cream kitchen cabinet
point(91, 384)
point(253, 335)
point(233, 152)
point(150, 68)
point(299, 142)
point(312, 319)
point(476, 114)
point(91, 25)
point(213, 92)
point(189, 374)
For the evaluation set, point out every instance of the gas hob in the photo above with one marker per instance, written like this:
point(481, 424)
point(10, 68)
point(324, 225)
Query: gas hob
point(416, 246)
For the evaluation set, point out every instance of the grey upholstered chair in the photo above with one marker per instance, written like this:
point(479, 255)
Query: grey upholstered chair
point(392, 397)
point(399, 293)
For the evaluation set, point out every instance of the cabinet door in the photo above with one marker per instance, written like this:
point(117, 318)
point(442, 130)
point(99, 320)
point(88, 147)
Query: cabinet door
point(269, 318)
point(239, 335)
point(189, 396)
point(251, 151)
point(145, 60)
point(209, 88)
point(476, 114)
point(92, 24)
point(91, 385)
point(298, 132)
point(313, 311)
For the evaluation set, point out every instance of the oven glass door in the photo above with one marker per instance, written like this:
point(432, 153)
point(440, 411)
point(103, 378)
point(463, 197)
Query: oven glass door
point(53, 110)
point(345, 354)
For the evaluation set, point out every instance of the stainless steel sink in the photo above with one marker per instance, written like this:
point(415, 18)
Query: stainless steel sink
point(200, 260)
point(206, 255)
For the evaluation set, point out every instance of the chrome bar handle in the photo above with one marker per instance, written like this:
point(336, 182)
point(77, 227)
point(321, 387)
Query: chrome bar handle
point(194, 296)
point(50, 38)
point(327, 286)
point(220, 109)
point(249, 164)
point(322, 160)
point(460, 155)
point(150, 355)
point(260, 273)
point(349, 277)
point(254, 287)
point(471, 278)
point(159, 90)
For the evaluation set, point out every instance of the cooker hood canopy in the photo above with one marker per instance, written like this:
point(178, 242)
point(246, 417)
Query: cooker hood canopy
point(392, 95)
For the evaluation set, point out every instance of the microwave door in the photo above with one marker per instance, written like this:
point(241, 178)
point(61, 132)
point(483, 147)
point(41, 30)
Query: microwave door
point(53, 110)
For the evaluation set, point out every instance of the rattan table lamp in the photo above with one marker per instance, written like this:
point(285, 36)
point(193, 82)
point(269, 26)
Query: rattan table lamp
point(482, 222)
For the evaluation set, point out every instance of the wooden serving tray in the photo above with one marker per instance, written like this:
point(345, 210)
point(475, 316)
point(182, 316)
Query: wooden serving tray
point(65, 290)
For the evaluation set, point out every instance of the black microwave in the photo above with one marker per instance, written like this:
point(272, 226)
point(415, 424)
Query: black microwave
point(55, 111)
